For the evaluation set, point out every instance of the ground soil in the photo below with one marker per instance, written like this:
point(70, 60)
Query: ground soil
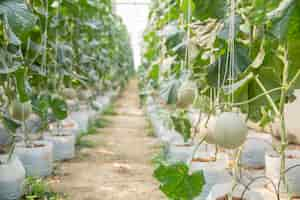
point(118, 166)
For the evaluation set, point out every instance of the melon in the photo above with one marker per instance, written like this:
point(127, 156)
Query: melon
point(206, 130)
point(84, 95)
point(69, 93)
point(186, 94)
point(20, 111)
point(229, 130)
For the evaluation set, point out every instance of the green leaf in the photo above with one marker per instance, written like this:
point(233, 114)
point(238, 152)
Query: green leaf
point(9, 62)
point(187, 8)
point(177, 183)
point(205, 9)
point(233, 88)
point(41, 105)
point(281, 19)
point(19, 17)
point(22, 84)
point(59, 108)
point(224, 32)
point(168, 90)
point(154, 73)
point(182, 124)
point(10, 124)
point(220, 68)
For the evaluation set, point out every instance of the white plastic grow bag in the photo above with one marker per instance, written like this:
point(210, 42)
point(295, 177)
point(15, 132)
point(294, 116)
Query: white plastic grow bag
point(254, 150)
point(215, 172)
point(273, 163)
point(37, 161)
point(63, 146)
point(179, 152)
point(67, 126)
point(104, 101)
point(220, 190)
point(80, 117)
point(98, 106)
point(12, 178)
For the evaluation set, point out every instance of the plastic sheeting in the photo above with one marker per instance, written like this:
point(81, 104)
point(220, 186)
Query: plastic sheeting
point(215, 172)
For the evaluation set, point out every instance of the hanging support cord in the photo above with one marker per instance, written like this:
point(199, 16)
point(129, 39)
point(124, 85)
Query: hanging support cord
point(232, 47)
point(188, 34)
point(56, 48)
point(230, 55)
point(45, 37)
point(56, 58)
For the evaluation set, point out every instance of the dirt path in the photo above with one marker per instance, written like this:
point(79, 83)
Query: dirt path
point(118, 167)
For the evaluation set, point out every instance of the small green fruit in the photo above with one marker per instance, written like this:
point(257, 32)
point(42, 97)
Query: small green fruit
point(84, 95)
point(186, 94)
point(20, 111)
point(69, 93)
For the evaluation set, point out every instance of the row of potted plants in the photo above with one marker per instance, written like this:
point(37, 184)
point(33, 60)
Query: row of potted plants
point(60, 60)
point(36, 157)
point(235, 62)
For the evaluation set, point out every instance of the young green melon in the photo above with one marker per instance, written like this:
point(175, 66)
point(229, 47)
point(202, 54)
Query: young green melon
point(20, 111)
point(229, 131)
point(69, 93)
point(186, 94)
point(84, 95)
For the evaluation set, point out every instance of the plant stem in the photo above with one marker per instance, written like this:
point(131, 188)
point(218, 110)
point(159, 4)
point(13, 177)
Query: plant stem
point(283, 132)
point(292, 82)
point(269, 98)
point(196, 149)
point(12, 148)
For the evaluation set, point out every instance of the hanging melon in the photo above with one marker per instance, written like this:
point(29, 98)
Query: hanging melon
point(186, 94)
point(69, 93)
point(229, 130)
point(84, 95)
point(206, 129)
point(20, 111)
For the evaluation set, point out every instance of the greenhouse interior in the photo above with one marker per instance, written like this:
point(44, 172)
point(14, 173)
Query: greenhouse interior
point(150, 100)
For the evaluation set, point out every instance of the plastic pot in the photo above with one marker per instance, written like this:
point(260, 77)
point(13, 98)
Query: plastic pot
point(38, 159)
point(81, 119)
point(254, 150)
point(63, 146)
point(12, 178)
point(103, 100)
point(67, 126)
point(273, 162)
point(214, 170)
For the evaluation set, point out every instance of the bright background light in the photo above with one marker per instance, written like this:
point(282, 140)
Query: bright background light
point(134, 14)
